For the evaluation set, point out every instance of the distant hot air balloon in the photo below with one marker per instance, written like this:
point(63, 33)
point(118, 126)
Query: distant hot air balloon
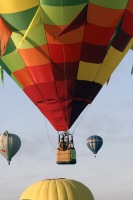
point(60, 189)
point(9, 145)
point(94, 143)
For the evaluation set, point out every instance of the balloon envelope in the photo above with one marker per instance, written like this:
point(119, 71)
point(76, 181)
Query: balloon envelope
point(94, 143)
point(9, 145)
point(60, 189)
point(61, 53)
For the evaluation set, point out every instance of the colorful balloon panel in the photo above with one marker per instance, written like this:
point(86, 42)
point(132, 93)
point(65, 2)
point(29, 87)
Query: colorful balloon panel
point(61, 53)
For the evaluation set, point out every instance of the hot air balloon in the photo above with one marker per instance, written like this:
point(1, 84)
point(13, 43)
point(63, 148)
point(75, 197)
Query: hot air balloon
point(94, 143)
point(9, 145)
point(61, 53)
point(54, 189)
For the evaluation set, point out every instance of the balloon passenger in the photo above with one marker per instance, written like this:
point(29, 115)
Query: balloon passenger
point(66, 153)
point(65, 143)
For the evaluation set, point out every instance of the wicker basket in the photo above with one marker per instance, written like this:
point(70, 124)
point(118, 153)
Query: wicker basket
point(66, 157)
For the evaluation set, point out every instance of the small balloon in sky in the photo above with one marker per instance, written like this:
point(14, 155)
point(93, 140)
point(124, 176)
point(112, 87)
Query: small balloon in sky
point(9, 145)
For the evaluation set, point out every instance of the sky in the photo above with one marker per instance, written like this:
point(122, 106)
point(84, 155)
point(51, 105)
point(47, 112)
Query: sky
point(108, 176)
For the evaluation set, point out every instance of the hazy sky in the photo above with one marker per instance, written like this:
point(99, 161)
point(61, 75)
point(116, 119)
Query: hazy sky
point(109, 176)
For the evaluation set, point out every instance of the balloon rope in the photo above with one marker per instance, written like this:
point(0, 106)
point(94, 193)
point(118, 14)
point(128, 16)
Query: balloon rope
point(65, 85)
point(82, 116)
point(48, 134)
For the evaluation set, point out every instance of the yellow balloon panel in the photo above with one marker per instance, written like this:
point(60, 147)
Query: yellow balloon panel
point(11, 6)
point(87, 71)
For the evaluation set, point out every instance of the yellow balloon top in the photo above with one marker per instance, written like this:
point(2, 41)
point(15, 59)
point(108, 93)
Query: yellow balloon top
point(57, 189)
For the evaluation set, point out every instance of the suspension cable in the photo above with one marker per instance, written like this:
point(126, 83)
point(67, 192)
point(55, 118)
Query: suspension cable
point(48, 134)
point(64, 58)
point(82, 116)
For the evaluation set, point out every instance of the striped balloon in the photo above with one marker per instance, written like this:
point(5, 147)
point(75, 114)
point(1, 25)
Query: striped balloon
point(94, 143)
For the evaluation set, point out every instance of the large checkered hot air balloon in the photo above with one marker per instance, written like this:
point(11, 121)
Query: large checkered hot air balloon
point(62, 52)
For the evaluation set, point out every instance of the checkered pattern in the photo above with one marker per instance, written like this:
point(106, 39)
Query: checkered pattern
point(62, 52)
